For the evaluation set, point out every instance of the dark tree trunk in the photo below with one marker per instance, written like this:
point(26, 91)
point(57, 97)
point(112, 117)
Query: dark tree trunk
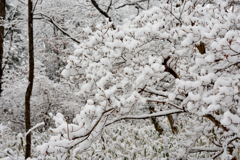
point(2, 17)
point(30, 80)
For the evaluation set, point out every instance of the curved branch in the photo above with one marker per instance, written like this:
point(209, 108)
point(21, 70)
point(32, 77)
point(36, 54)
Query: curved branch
point(47, 18)
point(168, 69)
point(218, 154)
point(132, 4)
point(146, 116)
point(102, 12)
point(87, 134)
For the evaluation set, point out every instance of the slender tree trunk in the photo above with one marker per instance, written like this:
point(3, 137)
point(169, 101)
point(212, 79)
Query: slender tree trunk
point(30, 80)
point(2, 17)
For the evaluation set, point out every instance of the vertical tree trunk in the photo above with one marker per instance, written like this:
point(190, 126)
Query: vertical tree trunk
point(30, 80)
point(2, 17)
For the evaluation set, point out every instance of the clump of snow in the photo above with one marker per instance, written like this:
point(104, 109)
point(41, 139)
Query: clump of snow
point(229, 118)
point(128, 71)
point(65, 73)
point(78, 52)
point(171, 96)
point(210, 58)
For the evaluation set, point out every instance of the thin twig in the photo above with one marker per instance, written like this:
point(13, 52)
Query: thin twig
point(132, 4)
point(34, 7)
point(68, 130)
point(109, 7)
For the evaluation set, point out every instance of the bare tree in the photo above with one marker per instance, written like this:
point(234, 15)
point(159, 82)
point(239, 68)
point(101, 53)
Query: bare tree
point(2, 16)
point(30, 79)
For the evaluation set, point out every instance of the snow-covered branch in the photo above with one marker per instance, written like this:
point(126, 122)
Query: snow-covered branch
point(146, 116)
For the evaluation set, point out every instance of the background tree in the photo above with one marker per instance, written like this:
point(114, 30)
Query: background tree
point(2, 15)
point(30, 80)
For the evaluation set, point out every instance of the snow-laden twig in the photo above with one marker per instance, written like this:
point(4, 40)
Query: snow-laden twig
point(36, 126)
point(146, 116)
point(204, 149)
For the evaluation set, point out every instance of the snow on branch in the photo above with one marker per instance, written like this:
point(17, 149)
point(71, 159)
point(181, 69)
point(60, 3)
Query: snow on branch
point(36, 126)
point(204, 149)
point(146, 116)
point(155, 58)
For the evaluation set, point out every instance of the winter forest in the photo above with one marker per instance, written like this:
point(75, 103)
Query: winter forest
point(119, 79)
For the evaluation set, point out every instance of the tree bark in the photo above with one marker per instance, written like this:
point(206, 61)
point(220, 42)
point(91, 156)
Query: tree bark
point(155, 121)
point(2, 17)
point(175, 75)
point(30, 80)
point(171, 121)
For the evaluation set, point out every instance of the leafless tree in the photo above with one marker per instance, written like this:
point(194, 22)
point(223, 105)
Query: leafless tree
point(2, 16)
point(30, 79)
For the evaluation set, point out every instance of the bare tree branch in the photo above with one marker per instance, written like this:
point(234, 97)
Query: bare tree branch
point(47, 18)
point(18, 122)
point(22, 2)
point(109, 7)
point(102, 12)
point(132, 4)
point(168, 69)
point(34, 6)
point(218, 154)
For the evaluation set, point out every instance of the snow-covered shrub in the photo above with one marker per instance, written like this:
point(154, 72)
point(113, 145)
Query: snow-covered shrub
point(183, 56)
